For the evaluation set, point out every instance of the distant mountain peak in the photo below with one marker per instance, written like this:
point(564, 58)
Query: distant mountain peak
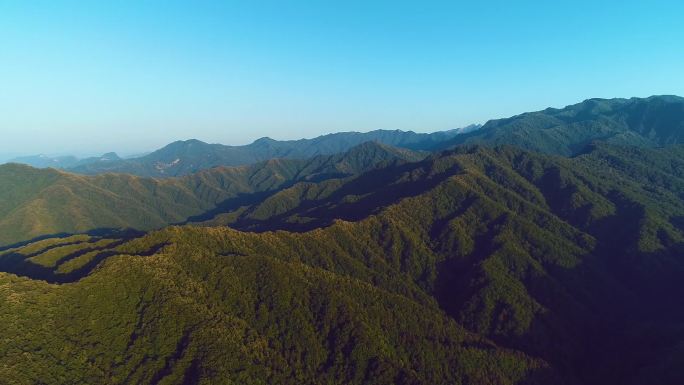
point(172, 149)
point(190, 142)
point(183, 143)
point(264, 140)
point(110, 156)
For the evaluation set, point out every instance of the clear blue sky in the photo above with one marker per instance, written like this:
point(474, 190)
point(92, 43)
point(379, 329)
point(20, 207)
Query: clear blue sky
point(92, 76)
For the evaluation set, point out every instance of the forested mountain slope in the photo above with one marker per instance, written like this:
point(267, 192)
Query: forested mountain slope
point(37, 202)
point(474, 266)
point(647, 122)
point(203, 310)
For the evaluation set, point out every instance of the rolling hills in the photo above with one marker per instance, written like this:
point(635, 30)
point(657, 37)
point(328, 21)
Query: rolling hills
point(38, 202)
point(477, 265)
point(544, 248)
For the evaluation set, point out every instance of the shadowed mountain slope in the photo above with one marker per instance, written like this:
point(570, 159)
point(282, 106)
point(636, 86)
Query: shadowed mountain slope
point(550, 255)
point(474, 266)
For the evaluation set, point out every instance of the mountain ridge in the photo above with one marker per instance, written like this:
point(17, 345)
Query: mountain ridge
point(648, 122)
point(47, 201)
point(184, 157)
point(544, 248)
point(556, 267)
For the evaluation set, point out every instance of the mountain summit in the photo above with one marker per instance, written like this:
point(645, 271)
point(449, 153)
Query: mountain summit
point(647, 122)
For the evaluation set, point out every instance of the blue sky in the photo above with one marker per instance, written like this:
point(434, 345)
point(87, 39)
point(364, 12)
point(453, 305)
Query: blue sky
point(93, 76)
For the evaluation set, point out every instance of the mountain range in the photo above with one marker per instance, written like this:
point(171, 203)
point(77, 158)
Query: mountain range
point(647, 122)
point(541, 249)
point(653, 121)
point(35, 202)
point(186, 157)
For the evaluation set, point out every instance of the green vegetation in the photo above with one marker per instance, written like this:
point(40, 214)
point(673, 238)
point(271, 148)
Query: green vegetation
point(44, 244)
point(51, 257)
point(36, 202)
point(649, 122)
point(74, 263)
point(475, 266)
point(191, 314)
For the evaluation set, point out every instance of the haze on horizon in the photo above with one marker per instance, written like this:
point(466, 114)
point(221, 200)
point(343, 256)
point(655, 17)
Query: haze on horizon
point(86, 78)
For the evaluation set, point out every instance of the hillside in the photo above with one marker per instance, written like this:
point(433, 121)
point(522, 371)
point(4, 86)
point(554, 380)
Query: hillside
point(647, 122)
point(481, 264)
point(523, 268)
point(37, 202)
point(198, 313)
point(186, 157)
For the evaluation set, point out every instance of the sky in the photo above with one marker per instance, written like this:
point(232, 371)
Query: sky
point(88, 77)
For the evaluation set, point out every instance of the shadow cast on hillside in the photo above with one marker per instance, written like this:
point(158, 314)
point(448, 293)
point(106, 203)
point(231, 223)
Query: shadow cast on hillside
point(360, 197)
point(593, 330)
point(250, 199)
point(105, 232)
point(231, 204)
point(20, 265)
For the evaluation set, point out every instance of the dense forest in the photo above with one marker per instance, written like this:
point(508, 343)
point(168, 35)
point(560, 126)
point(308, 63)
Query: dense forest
point(486, 262)
point(645, 122)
